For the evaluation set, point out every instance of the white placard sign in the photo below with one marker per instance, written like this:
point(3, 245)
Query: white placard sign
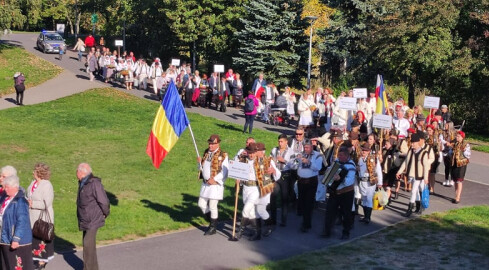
point(60, 28)
point(239, 170)
point(175, 62)
point(431, 102)
point(382, 121)
point(119, 42)
point(219, 68)
point(347, 103)
point(360, 92)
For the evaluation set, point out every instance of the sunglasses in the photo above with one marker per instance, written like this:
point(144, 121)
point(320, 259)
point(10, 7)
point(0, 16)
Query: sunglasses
point(299, 134)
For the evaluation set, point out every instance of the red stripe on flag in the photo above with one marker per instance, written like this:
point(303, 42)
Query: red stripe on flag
point(259, 92)
point(155, 150)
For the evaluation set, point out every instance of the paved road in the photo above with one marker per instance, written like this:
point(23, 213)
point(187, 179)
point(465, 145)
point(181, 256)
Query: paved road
point(189, 249)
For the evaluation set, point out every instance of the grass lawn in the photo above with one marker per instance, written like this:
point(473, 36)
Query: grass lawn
point(36, 70)
point(456, 239)
point(109, 129)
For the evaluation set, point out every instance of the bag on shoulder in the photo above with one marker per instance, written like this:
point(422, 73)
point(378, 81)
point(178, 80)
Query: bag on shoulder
point(43, 230)
point(249, 105)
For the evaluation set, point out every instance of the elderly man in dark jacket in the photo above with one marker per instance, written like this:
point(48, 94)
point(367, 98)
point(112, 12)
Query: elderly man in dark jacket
point(92, 209)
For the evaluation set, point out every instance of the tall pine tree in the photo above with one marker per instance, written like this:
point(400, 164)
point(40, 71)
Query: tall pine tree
point(268, 42)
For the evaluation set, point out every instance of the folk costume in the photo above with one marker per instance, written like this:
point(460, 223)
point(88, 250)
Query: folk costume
point(369, 177)
point(416, 166)
point(256, 192)
point(460, 159)
point(214, 165)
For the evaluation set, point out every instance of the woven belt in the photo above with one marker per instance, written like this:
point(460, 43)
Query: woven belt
point(250, 183)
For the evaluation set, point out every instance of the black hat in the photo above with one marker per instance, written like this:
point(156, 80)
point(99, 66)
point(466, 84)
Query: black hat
point(336, 133)
point(415, 137)
point(421, 134)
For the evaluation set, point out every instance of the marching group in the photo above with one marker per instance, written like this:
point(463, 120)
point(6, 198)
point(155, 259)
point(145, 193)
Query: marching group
point(27, 217)
point(337, 154)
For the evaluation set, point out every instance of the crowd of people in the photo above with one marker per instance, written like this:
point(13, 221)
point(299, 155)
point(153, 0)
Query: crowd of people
point(337, 156)
point(22, 245)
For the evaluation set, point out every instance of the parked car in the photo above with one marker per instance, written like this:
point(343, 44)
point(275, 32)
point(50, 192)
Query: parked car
point(50, 41)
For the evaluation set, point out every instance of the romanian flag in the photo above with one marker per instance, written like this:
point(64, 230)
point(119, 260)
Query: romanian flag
point(259, 92)
point(381, 96)
point(170, 122)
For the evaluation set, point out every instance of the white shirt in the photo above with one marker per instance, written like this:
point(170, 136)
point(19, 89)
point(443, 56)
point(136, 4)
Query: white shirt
point(402, 125)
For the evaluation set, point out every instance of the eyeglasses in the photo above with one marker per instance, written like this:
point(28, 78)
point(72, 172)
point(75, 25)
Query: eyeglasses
point(299, 134)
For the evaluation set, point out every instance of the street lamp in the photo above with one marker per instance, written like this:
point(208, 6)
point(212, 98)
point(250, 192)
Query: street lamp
point(312, 19)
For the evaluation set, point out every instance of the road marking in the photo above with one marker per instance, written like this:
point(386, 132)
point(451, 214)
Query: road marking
point(470, 180)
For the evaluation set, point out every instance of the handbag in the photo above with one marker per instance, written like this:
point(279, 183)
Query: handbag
point(43, 230)
point(425, 197)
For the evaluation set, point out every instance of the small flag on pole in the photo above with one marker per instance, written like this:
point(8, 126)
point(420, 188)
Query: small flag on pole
point(170, 122)
point(381, 96)
point(259, 92)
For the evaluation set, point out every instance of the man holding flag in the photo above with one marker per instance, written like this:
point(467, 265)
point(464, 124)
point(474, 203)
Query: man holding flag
point(214, 170)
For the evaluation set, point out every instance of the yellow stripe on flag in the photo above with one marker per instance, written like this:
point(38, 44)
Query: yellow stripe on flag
point(163, 130)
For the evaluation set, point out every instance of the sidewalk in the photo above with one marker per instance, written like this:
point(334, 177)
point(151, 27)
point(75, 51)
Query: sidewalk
point(65, 84)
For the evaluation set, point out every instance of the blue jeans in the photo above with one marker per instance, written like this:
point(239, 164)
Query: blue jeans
point(249, 122)
point(80, 54)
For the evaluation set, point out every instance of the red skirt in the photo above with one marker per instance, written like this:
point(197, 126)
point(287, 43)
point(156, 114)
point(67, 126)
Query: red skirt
point(196, 94)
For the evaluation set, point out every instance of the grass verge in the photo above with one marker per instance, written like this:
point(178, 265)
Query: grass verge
point(451, 240)
point(13, 59)
point(109, 129)
point(481, 148)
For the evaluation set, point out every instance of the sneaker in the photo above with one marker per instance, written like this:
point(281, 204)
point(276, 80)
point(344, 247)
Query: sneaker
point(451, 183)
point(445, 183)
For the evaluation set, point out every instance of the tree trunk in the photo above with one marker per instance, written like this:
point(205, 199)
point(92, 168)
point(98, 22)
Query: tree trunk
point(411, 84)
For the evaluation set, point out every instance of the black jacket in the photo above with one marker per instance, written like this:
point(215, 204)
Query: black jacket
point(93, 206)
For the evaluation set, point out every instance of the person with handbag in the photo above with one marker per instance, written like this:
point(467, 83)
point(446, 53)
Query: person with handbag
point(16, 234)
point(40, 196)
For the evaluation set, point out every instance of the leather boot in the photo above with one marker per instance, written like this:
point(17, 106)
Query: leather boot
point(367, 214)
point(242, 227)
point(256, 224)
point(410, 210)
point(419, 209)
point(212, 227)
point(268, 227)
point(208, 216)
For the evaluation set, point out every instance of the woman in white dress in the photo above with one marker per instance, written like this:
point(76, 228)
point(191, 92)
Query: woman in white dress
point(305, 107)
point(291, 100)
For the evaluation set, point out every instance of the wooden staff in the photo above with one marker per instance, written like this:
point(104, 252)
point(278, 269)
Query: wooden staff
point(233, 236)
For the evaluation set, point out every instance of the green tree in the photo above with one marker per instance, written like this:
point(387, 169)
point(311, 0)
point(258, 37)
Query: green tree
point(11, 16)
point(267, 41)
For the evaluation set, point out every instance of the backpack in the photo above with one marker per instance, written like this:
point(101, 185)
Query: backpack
point(249, 105)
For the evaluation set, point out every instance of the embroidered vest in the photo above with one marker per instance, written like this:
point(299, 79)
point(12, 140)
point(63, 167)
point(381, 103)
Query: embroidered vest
point(458, 158)
point(371, 158)
point(265, 182)
point(216, 161)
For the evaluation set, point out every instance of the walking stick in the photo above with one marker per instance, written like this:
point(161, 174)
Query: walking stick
point(233, 237)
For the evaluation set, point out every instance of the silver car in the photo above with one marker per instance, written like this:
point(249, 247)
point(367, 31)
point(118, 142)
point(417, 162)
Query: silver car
point(50, 41)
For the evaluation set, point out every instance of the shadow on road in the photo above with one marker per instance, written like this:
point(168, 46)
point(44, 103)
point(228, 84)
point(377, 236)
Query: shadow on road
point(11, 100)
point(82, 77)
point(185, 213)
point(67, 250)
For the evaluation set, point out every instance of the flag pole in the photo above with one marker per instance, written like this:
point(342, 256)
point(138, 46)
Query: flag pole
point(193, 139)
